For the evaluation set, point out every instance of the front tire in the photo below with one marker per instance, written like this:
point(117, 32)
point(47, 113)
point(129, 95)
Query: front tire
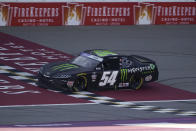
point(80, 84)
point(136, 82)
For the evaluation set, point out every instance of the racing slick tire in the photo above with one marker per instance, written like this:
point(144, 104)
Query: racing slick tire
point(80, 84)
point(136, 82)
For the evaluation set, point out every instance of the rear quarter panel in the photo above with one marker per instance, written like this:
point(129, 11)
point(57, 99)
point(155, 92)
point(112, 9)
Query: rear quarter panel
point(145, 67)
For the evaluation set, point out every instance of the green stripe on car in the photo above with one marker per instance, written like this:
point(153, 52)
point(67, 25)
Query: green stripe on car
point(64, 67)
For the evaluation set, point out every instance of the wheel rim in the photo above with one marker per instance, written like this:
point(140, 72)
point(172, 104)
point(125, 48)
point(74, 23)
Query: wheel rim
point(135, 82)
point(81, 84)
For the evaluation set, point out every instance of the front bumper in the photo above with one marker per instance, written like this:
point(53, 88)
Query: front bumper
point(51, 83)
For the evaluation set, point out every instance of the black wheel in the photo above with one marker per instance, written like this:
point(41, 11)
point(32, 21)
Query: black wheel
point(80, 84)
point(136, 82)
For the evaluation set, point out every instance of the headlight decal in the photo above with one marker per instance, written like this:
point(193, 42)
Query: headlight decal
point(62, 76)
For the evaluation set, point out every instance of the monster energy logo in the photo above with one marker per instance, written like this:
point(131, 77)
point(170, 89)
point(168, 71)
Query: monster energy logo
point(152, 66)
point(103, 53)
point(124, 73)
point(64, 67)
point(141, 69)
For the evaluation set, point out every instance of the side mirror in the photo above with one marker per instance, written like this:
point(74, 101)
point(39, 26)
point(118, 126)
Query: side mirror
point(98, 68)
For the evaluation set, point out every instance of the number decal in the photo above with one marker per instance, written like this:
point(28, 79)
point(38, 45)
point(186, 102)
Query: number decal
point(104, 78)
point(108, 77)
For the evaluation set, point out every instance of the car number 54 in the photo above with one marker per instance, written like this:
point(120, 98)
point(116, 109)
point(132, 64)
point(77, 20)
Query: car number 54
point(108, 77)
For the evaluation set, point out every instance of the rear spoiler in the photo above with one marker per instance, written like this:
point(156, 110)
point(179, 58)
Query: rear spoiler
point(142, 59)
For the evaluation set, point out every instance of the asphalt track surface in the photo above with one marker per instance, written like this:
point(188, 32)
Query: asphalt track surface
point(172, 47)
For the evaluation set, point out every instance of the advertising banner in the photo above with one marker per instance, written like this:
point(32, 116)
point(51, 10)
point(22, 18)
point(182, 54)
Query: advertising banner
point(30, 14)
point(165, 13)
point(96, 13)
point(54, 14)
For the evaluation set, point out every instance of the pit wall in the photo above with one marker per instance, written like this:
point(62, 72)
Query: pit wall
point(47, 13)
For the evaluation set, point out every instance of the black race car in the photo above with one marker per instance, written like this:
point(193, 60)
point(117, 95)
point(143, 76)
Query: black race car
point(98, 69)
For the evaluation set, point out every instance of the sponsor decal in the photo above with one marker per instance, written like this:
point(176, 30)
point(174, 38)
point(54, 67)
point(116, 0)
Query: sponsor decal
point(63, 67)
point(148, 72)
point(70, 83)
point(103, 53)
point(176, 13)
point(94, 76)
point(152, 66)
point(141, 69)
point(33, 14)
point(124, 74)
point(125, 62)
point(33, 11)
point(123, 85)
point(109, 13)
point(148, 78)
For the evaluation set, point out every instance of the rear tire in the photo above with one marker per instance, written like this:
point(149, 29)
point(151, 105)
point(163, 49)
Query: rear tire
point(136, 82)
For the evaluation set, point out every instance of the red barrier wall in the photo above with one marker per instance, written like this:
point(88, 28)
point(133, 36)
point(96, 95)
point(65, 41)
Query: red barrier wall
point(94, 13)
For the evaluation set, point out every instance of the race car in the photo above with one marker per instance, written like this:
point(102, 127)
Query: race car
point(99, 69)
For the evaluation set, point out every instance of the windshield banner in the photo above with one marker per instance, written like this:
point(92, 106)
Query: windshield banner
point(93, 13)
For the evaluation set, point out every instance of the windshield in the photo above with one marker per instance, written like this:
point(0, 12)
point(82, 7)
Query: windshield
point(85, 62)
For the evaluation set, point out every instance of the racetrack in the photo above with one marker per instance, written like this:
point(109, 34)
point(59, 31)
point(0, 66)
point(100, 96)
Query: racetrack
point(172, 47)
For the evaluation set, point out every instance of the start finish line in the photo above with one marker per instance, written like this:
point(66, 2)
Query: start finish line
point(19, 62)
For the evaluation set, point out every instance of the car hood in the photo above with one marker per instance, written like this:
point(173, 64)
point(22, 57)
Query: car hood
point(66, 68)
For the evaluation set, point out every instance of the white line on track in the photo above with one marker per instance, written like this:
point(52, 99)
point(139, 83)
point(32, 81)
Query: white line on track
point(164, 125)
point(163, 101)
point(41, 105)
point(44, 125)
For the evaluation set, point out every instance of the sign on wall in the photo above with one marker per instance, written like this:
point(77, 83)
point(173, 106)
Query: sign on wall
point(93, 13)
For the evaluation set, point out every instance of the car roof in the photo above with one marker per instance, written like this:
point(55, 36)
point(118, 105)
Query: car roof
point(101, 52)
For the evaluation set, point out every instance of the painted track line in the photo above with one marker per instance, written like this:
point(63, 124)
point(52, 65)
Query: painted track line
point(163, 101)
point(45, 125)
point(164, 125)
point(47, 105)
point(131, 122)
point(96, 99)
point(131, 105)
